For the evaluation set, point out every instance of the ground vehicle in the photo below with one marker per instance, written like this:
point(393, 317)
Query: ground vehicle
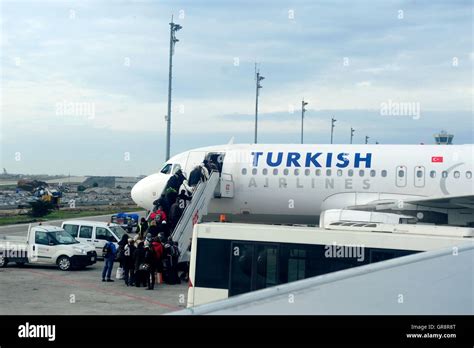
point(48, 245)
point(126, 221)
point(96, 233)
point(228, 259)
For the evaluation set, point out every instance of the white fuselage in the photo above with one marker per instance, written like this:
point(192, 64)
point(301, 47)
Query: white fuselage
point(294, 183)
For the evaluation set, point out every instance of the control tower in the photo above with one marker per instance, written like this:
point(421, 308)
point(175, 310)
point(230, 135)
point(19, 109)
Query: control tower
point(443, 138)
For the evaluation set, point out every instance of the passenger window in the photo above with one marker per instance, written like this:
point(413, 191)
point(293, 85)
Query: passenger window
point(401, 173)
point(265, 171)
point(285, 171)
point(361, 172)
point(469, 174)
point(384, 173)
point(275, 171)
point(85, 232)
point(350, 172)
point(102, 233)
point(296, 264)
point(244, 171)
point(419, 174)
point(328, 172)
point(266, 266)
point(372, 173)
point(318, 172)
point(457, 174)
point(433, 174)
point(339, 172)
point(307, 172)
point(297, 172)
point(166, 169)
point(254, 171)
point(41, 238)
point(444, 174)
point(71, 229)
point(241, 269)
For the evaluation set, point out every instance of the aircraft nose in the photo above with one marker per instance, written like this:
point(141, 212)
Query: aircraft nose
point(137, 193)
point(147, 190)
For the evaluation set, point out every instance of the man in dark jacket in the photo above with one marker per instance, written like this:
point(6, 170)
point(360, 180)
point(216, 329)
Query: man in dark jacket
point(128, 265)
point(109, 257)
point(154, 230)
point(195, 176)
point(176, 180)
point(175, 214)
point(139, 259)
point(142, 228)
point(150, 260)
point(161, 202)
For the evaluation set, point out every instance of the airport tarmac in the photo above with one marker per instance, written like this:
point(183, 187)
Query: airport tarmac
point(38, 290)
point(45, 290)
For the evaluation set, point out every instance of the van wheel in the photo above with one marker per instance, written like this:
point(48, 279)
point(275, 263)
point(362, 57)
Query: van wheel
point(3, 261)
point(64, 263)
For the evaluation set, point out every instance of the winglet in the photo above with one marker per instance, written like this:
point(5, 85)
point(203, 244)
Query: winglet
point(231, 141)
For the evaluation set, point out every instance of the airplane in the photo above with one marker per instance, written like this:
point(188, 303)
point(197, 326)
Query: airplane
point(294, 183)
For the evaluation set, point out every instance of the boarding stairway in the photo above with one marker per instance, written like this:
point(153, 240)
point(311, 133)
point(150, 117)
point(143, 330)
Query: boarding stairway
point(204, 192)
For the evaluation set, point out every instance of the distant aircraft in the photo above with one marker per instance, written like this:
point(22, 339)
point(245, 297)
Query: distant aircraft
point(294, 183)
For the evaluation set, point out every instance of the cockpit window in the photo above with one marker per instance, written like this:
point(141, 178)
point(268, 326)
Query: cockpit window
point(166, 169)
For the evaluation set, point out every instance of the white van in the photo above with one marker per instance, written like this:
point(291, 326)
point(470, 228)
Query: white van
point(96, 233)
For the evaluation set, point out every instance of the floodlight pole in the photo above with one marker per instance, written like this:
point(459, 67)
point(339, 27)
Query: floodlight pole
point(333, 121)
point(303, 110)
point(258, 79)
point(173, 29)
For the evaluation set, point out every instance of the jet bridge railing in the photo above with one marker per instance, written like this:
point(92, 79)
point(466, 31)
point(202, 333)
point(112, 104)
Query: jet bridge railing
point(193, 213)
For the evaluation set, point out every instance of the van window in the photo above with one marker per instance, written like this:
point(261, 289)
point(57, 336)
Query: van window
point(71, 229)
point(41, 238)
point(102, 233)
point(85, 232)
point(118, 231)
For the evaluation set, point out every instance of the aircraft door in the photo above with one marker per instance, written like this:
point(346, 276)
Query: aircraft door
point(401, 176)
point(419, 176)
point(195, 158)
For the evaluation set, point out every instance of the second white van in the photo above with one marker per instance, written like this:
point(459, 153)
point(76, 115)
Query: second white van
point(96, 233)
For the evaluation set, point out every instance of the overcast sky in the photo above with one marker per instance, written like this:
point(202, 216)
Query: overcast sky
point(346, 58)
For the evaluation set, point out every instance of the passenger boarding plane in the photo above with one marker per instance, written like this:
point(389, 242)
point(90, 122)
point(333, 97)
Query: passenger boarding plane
point(294, 183)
